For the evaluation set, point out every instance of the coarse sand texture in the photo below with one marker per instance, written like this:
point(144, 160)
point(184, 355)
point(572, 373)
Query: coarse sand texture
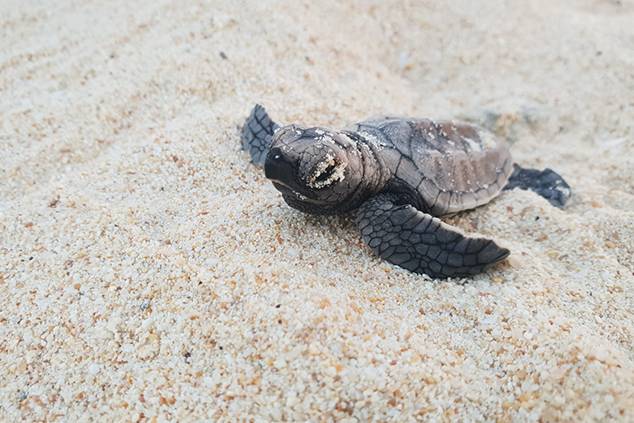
point(149, 272)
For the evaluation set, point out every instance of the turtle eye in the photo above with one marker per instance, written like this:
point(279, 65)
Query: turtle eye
point(326, 173)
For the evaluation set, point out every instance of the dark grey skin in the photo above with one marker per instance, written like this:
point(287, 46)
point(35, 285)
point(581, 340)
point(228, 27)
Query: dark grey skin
point(399, 174)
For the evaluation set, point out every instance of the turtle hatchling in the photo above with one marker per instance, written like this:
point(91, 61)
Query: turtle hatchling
point(399, 175)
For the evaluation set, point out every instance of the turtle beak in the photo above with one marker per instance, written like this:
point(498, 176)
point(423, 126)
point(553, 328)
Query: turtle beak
point(278, 168)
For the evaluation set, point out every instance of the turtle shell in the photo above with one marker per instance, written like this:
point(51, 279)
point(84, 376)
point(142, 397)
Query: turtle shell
point(451, 165)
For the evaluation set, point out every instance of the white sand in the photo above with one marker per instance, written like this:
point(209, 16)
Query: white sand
point(147, 271)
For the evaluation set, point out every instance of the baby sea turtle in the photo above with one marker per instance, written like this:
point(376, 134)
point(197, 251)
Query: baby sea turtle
point(398, 173)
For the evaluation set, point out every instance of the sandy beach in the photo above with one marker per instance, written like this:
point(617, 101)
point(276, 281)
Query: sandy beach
point(149, 272)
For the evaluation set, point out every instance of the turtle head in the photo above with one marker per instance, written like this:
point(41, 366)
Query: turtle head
point(315, 169)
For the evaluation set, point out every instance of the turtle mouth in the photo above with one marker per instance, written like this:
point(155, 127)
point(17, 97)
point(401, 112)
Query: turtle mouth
point(283, 173)
point(286, 189)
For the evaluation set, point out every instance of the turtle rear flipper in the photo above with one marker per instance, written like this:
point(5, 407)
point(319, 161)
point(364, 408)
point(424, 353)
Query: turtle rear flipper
point(418, 242)
point(547, 183)
point(257, 134)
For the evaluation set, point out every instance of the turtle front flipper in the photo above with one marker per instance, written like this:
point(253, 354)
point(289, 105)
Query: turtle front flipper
point(547, 183)
point(409, 238)
point(257, 134)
